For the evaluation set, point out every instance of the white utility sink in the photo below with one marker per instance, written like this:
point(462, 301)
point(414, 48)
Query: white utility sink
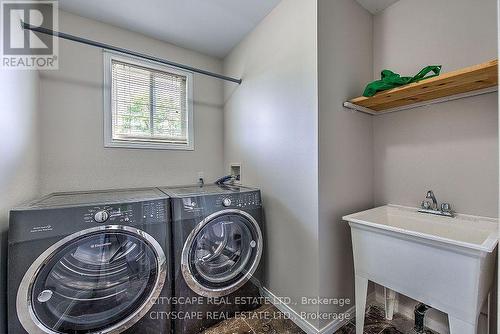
point(447, 263)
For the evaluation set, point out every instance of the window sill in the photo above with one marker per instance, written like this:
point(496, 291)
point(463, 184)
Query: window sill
point(149, 145)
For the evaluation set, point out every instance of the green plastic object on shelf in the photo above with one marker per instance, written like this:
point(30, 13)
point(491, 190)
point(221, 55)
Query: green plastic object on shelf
point(392, 80)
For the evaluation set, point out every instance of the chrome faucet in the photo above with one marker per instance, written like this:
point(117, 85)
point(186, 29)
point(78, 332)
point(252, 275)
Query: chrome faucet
point(430, 195)
point(427, 207)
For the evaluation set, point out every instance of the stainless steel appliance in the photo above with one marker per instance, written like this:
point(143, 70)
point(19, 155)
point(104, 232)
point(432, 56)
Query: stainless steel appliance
point(90, 262)
point(218, 243)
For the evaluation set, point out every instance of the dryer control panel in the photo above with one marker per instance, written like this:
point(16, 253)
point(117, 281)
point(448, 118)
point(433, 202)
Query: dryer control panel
point(46, 223)
point(239, 200)
point(150, 212)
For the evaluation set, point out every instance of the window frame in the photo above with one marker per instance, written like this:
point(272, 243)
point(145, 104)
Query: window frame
point(109, 141)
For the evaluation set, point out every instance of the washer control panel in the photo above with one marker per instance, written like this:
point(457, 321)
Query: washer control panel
point(239, 200)
point(150, 212)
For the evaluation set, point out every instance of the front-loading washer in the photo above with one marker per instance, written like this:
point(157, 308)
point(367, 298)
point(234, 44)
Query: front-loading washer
point(90, 262)
point(217, 247)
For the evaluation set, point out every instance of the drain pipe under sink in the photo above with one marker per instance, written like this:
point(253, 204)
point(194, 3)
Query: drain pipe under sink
point(420, 310)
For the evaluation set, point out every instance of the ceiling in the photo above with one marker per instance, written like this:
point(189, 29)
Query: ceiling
point(376, 6)
point(212, 27)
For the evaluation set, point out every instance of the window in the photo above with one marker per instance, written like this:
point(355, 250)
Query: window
point(146, 105)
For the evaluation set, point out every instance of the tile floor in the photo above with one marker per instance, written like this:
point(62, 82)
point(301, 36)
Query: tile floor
point(269, 320)
point(375, 323)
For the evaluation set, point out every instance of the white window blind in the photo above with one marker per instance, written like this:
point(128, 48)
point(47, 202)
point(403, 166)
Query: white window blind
point(149, 106)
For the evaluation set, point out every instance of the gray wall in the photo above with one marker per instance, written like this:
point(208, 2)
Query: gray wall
point(345, 140)
point(73, 155)
point(52, 131)
point(19, 152)
point(452, 147)
point(271, 126)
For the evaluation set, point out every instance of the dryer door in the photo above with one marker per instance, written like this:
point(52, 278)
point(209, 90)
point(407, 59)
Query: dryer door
point(222, 253)
point(99, 280)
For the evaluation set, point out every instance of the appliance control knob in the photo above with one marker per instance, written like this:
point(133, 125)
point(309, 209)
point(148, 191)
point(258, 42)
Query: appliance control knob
point(226, 202)
point(101, 216)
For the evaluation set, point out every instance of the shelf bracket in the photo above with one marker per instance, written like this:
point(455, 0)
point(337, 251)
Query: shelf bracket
point(355, 107)
point(488, 90)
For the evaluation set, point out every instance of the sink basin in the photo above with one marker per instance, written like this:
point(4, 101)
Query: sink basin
point(472, 232)
point(447, 263)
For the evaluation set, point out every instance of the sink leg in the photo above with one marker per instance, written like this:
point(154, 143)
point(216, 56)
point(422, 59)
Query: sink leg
point(489, 314)
point(390, 300)
point(458, 326)
point(361, 286)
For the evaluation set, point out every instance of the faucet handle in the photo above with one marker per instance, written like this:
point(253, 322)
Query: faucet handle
point(445, 207)
point(426, 205)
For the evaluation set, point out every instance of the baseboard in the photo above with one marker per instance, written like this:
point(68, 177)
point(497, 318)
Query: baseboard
point(294, 316)
point(335, 325)
point(305, 325)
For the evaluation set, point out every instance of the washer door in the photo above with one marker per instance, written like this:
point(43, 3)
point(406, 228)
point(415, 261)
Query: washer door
point(222, 253)
point(99, 280)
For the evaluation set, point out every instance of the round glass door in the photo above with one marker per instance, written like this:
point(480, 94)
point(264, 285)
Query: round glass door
point(97, 282)
point(222, 253)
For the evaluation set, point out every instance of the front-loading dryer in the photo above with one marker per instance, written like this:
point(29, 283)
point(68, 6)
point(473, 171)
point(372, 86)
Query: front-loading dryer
point(218, 243)
point(90, 262)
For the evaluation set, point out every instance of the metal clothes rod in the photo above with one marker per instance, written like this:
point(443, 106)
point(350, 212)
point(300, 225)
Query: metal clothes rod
point(129, 52)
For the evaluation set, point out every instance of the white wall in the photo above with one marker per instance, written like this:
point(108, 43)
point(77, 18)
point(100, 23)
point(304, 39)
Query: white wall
point(451, 148)
point(271, 126)
point(73, 154)
point(345, 141)
point(19, 152)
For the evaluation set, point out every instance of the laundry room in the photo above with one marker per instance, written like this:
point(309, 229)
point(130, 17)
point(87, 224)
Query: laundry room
point(250, 166)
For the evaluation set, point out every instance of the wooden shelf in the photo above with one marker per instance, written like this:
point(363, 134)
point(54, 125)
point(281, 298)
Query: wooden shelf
point(469, 81)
